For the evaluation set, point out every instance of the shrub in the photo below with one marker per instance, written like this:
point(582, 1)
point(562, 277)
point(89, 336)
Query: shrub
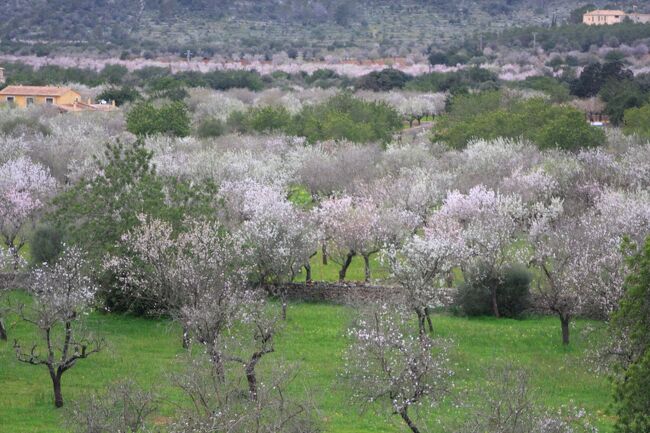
point(346, 117)
point(637, 121)
point(120, 95)
point(46, 245)
point(384, 80)
point(455, 82)
point(268, 119)
point(513, 293)
point(23, 126)
point(210, 127)
point(145, 119)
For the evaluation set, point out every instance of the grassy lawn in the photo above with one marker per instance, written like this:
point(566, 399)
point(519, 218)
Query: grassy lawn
point(330, 272)
point(146, 350)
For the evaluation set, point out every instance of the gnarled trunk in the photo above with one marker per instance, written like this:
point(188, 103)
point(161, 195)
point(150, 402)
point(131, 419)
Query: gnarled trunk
point(346, 265)
point(427, 313)
point(421, 318)
point(56, 385)
point(366, 267)
point(565, 319)
point(308, 273)
point(409, 422)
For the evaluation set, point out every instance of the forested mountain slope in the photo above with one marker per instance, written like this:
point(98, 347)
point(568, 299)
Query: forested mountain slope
point(260, 26)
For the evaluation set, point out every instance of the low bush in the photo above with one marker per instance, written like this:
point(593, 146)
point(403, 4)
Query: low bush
point(23, 126)
point(46, 245)
point(145, 119)
point(513, 293)
point(210, 127)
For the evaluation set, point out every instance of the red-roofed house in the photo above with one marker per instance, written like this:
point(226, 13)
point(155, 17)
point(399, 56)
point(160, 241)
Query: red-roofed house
point(24, 96)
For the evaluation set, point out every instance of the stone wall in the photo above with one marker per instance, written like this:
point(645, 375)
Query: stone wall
point(342, 293)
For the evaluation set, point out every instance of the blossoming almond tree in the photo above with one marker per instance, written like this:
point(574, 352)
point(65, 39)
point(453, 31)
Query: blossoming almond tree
point(421, 262)
point(199, 266)
point(62, 294)
point(490, 222)
point(387, 365)
point(24, 188)
point(358, 226)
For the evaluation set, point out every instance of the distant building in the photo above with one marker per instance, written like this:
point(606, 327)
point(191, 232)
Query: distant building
point(603, 17)
point(64, 98)
point(609, 17)
point(639, 18)
point(24, 96)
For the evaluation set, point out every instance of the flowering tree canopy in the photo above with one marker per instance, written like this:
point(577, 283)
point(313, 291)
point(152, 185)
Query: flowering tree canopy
point(62, 293)
point(24, 188)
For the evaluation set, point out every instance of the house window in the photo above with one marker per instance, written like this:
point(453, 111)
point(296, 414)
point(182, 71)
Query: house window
point(30, 101)
point(11, 99)
point(49, 100)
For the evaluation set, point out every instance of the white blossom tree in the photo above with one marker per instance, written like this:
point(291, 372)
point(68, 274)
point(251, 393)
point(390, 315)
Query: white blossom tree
point(490, 223)
point(387, 365)
point(358, 226)
point(62, 295)
point(179, 273)
point(24, 189)
point(421, 262)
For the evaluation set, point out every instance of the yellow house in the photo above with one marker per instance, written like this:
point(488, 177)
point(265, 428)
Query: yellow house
point(603, 17)
point(24, 96)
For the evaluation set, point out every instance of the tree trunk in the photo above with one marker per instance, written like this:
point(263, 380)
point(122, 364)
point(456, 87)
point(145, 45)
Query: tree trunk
point(324, 254)
point(308, 273)
point(346, 265)
point(366, 262)
point(56, 384)
point(421, 320)
point(3, 331)
point(186, 338)
point(565, 319)
point(427, 313)
point(495, 305)
point(251, 378)
point(409, 422)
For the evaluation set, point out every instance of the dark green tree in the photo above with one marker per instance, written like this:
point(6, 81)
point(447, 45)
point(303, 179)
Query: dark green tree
point(631, 324)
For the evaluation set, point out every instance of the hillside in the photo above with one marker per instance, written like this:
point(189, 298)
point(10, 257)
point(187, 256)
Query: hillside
point(209, 27)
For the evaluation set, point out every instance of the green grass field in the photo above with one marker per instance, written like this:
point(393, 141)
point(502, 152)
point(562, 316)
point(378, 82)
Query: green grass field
point(147, 351)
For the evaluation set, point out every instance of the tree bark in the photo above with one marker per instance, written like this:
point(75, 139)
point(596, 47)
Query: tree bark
point(427, 313)
point(366, 262)
point(495, 304)
point(346, 265)
point(186, 338)
point(421, 320)
point(409, 422)
point(324, 254)
point(565, 319)
point(56, 384)
point(3, 331)
point(308, 273)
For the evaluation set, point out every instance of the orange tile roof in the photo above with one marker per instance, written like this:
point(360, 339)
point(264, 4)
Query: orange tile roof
point(34, 91)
